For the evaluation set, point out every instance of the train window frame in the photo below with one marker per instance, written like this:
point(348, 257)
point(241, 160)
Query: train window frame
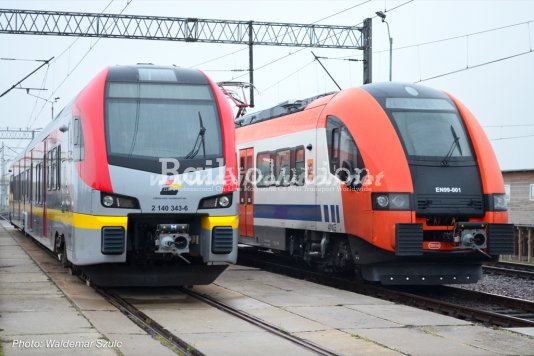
point(261, 183)
point(12, 187)
point(23, 185)
point(38, 182)
point(335, 128)
point(76, 131)
point(53, 170)
point(277, 172)
point(77, 139)
point(58, 167)
point(294, 169)
point(151, 163)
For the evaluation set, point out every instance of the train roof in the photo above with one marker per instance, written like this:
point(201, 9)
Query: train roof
point(284, 108)
point(378, 90)
point(154, 73)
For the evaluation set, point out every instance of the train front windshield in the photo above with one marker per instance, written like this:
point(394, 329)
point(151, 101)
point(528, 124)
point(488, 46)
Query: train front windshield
point(430, 129)
point(149, 121)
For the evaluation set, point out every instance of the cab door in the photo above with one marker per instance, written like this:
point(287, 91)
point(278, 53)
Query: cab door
point(246, 192)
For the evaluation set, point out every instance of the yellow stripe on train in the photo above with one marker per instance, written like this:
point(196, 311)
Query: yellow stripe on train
point(84, 221)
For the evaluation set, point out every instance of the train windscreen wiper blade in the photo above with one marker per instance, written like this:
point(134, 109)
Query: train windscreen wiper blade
point(455, 144)
point(199, 142)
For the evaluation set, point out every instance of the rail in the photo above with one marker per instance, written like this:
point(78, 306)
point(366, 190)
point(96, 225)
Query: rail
point(494, 310)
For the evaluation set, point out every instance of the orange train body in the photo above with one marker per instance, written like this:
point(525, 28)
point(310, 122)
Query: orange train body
point(397, 180)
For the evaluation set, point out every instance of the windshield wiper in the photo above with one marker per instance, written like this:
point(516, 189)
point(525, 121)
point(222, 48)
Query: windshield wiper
point(455, 144)
point(199, 142)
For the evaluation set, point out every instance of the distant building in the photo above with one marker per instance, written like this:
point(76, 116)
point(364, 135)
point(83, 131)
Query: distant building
point(519, 186)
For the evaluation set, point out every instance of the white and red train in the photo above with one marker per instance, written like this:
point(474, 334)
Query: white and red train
point(93, 186)
point(396, 180)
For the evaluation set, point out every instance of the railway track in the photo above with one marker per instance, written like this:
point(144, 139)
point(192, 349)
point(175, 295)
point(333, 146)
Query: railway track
point(510, 269)
point(174, 342)
point(157, 330)
point(486, 308)
point(149, 325)
point(464, 304)
point(258, 322)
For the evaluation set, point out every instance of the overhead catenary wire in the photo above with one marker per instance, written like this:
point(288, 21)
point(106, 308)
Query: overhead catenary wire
point(510, 137)
point(448, 39)
point(22, 59)
point(286, 77)
point(301, 49)
point(509, 125)
point(474, 66)
point(245, 48)
point(30, 121)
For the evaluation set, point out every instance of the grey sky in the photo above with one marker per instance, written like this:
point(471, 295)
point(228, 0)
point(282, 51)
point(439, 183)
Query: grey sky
point(499, 94)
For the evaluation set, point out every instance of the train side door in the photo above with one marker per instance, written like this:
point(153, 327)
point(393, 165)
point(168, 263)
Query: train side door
point(246, 192)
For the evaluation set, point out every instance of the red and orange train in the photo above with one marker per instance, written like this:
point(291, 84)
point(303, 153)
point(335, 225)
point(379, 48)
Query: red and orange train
point(396, 180)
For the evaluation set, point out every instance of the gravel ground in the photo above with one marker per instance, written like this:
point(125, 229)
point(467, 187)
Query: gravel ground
point(503, 285)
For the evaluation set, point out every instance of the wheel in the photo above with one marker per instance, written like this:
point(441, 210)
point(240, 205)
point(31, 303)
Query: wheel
point(61, 251)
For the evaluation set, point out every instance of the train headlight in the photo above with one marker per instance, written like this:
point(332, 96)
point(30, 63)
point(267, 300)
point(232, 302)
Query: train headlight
point(118, 201)
point(498, 202)
point(107, 200)
point(382, 201)
point(216, 202)
point(391, 201)
point(399, 201)
point(224, 201)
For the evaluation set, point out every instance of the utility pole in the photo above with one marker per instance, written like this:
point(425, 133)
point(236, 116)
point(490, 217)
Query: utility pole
point(367, 31)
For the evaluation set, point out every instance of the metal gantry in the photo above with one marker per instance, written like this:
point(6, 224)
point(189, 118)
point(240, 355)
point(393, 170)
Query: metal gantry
point(58, 23)
point(17, 134)
point(10, 134)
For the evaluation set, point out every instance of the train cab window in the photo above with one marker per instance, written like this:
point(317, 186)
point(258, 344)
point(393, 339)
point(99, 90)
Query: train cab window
point(283, 167)
point(342, 150)
point(299, 167)
point(264, 169)
point(430, 129)
point(144, 121)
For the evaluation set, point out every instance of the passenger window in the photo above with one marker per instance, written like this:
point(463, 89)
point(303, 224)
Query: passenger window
point(300, 170)
point(264, 165)
point(58, 167)
point(283, 169)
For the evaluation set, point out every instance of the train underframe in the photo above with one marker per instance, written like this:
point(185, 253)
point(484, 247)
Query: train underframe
point(410, 263)
point(159, 250)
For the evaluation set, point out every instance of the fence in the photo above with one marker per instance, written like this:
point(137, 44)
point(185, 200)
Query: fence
point(524, 245)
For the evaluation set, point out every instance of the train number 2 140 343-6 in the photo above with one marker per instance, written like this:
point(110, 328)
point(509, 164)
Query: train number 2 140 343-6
point(170, 208)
